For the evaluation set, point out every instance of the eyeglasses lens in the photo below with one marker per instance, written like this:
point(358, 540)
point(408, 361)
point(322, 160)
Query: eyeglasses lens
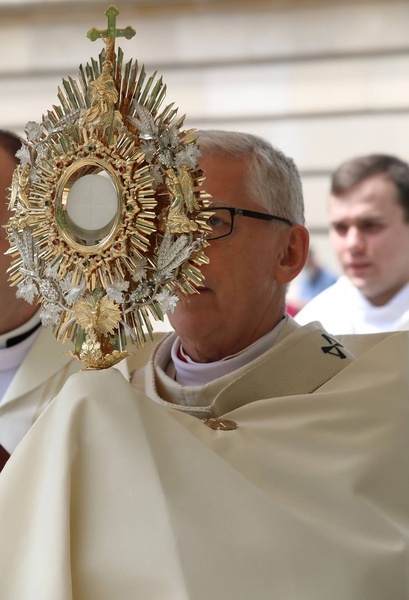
point(221, 224)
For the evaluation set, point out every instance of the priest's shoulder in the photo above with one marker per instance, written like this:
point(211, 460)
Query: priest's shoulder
point(359, 343)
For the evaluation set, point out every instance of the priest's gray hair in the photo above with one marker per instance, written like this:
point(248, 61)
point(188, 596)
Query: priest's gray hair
point(273, 178)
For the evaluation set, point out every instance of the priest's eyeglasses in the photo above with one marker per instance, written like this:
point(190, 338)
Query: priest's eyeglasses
point(222, 221)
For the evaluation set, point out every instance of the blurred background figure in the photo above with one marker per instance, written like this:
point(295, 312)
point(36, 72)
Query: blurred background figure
point(369, 231)
point(313, 279)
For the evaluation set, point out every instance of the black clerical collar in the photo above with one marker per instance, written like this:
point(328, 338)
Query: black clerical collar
point(13, 341)
point(18, 335)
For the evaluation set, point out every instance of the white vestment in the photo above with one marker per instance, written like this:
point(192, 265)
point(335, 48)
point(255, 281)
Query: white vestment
point(342, 309)
point(39, 378)
point(37, 381)
point(111, 496)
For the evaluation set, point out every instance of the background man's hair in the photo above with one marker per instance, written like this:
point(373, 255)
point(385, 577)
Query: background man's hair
point(356, 170)
point(10, 142)
point(273, 179)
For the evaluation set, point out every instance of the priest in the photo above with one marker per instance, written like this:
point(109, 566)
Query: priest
point(252, 458)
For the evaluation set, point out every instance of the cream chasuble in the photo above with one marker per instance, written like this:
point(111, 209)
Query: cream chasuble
point(111, 496)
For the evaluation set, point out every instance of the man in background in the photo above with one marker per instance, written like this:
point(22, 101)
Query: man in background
point(33, 366)
point(369, 219)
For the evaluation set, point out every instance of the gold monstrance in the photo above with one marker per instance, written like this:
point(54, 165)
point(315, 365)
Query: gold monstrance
point(108, 224)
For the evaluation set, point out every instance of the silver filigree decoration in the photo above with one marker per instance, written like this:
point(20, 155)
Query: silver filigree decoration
point(145, 122)
point(27, 290)
point(33, 131)
point(50, 314)
point(188, 156)
point(116, 289)
point(72, 293)
point(167, 301)
point(140, 271)
point(142, 292)
point(50, 290)
point(23, 155)
point(28, 251)
point(171, 254)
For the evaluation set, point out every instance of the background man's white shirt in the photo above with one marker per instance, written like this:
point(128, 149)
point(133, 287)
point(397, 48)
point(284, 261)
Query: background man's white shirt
point(342, 309)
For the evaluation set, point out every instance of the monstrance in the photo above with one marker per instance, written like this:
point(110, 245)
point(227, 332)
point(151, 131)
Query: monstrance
point(109, 216)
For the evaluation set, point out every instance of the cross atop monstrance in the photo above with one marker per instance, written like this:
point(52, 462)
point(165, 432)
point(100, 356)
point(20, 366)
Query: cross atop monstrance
point(111, 32)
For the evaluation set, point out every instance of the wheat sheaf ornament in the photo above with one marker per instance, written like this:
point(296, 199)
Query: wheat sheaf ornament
point(109, 217)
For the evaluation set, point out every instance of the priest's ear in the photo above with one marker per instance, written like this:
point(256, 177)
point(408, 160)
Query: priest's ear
point(294, 253)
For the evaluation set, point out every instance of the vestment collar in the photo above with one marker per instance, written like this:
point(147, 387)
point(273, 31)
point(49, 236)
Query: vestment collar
point(302, 359)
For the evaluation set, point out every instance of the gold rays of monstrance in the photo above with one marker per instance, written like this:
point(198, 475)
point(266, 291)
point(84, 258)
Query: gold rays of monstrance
point(109, 218)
